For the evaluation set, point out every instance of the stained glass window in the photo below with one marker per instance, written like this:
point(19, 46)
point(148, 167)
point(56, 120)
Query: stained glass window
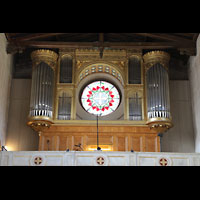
point(100, 98)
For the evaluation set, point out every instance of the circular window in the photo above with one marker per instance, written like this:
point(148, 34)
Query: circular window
point(100, 98)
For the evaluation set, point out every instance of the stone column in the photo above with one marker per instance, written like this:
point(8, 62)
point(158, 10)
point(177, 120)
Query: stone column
point(42, 89)
point(157, 86)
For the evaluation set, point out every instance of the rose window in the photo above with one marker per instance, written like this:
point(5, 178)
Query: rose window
point(100, 98)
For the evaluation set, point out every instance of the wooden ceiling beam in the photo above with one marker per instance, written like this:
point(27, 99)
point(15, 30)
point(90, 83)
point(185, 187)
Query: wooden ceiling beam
point(79, 36)
point(185, 34)
point(165, 37)
point(35, 36)
point(125, 45)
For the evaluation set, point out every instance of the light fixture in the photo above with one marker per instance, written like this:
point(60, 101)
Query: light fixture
point(3, 148)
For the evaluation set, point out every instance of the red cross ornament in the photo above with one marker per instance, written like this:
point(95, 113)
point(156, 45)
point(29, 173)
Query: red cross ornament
point(100, 160)
point(38, 160)
point(163, 162)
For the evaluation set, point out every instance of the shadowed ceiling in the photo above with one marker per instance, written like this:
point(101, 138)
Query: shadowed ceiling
point(180, 46)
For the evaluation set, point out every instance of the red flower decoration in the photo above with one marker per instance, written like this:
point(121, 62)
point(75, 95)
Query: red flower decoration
point(100, 98)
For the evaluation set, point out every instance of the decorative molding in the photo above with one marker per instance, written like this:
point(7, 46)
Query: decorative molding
point(43, 55)
point(130, 91)
point(37, 160)
point(134, 52)
point(39, 123)
point(153, 57)
point(101, 161)
point(94, 54)
point(101, 67)
point(160, 125)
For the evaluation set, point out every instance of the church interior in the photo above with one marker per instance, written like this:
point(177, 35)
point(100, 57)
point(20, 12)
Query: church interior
point(115, 92)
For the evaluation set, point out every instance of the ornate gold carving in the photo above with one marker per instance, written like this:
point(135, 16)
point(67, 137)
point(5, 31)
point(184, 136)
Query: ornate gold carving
point(101, 68)
point(135, 52)
point(130, 90)
point(68, 51)
point(121, 64)
point(79, 63)
point(66, 55)
point(39, 125)
point(160, 125)
point(138, 56)
point(88, 55)
point(153, 57)
point(43, 55)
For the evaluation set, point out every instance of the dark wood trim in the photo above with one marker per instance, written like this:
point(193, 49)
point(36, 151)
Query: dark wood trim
point(137, 45)
point(165, 37)
point(36, 36)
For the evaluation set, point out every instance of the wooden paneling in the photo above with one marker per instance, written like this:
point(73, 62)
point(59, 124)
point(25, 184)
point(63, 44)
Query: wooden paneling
point(121, 144)
point(151, 144)
point(77, 140)
point(63, 143)
point(137, 143)
point(117, 138)
point(47, 143)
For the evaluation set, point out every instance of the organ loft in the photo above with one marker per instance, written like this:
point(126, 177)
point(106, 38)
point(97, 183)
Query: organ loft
point(99, 99)
point(85, 98)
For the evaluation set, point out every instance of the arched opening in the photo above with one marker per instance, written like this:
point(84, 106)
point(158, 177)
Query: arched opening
point(114, 84)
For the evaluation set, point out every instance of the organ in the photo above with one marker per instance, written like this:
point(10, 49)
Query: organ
point(128, 90)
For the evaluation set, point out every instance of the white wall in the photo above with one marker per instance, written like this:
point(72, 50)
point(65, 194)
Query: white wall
point(180, 138)
point(20, 137)
point(194, 77)
point(5, 82)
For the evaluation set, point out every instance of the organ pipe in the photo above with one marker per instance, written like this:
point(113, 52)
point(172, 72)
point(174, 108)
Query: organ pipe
point(64, 107)
point(135, 107)
point(134, 68)
point(42, 89)
point(157, 85)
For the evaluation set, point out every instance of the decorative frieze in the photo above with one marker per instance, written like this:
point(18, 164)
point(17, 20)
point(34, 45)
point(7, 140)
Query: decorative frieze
point(46, 56)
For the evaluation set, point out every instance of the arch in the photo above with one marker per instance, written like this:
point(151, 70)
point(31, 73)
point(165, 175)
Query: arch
point(65, 69)
point(134, 70)
point(101, 67)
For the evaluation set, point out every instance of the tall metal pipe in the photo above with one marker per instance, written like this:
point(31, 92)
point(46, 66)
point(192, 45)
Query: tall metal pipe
point(44, 63)
point(157, 80)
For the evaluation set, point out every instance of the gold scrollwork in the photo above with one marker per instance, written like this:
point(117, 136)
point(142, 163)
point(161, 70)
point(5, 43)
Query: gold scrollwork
point(39, 125)
point(44, 55)
point(153, 57)
point(159, 124)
